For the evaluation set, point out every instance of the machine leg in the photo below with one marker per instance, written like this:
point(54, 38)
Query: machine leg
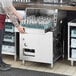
point(15, 58)
point(23, 62)
point(52, 65)
point(71, 62)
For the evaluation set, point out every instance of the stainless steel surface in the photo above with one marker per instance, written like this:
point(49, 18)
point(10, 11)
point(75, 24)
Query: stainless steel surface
point(47, 6)
point(36, 41)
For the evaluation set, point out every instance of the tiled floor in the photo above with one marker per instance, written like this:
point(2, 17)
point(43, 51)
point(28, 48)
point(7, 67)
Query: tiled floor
point(61, 66)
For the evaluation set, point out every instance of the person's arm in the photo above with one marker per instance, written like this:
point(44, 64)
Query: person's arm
point(16, 13)
point(13, 18)
point(12, 14)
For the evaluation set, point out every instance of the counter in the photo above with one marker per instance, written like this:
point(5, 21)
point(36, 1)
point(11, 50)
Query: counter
point(48, 6)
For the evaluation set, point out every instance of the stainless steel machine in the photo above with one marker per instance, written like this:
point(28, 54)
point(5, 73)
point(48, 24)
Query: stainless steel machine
point(42, 40)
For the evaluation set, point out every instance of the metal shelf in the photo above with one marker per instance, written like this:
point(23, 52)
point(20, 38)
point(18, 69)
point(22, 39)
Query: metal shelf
point(8, 53)
point(71, 43)
point(9, 43)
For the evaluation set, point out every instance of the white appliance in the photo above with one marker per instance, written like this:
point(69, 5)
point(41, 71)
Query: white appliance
point(39, 43)
point(37, 47)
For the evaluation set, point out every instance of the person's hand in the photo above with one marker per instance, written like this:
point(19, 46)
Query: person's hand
point(21, 29)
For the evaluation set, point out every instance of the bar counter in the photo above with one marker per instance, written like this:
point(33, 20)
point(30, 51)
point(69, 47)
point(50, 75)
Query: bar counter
point(47, 6)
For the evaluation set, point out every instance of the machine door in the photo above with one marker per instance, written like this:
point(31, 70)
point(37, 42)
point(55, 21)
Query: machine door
point(38, 48)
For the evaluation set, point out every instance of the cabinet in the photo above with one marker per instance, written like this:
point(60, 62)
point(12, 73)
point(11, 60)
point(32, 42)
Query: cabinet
point(37, 47)
point(72, 41)
point(9, 47)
